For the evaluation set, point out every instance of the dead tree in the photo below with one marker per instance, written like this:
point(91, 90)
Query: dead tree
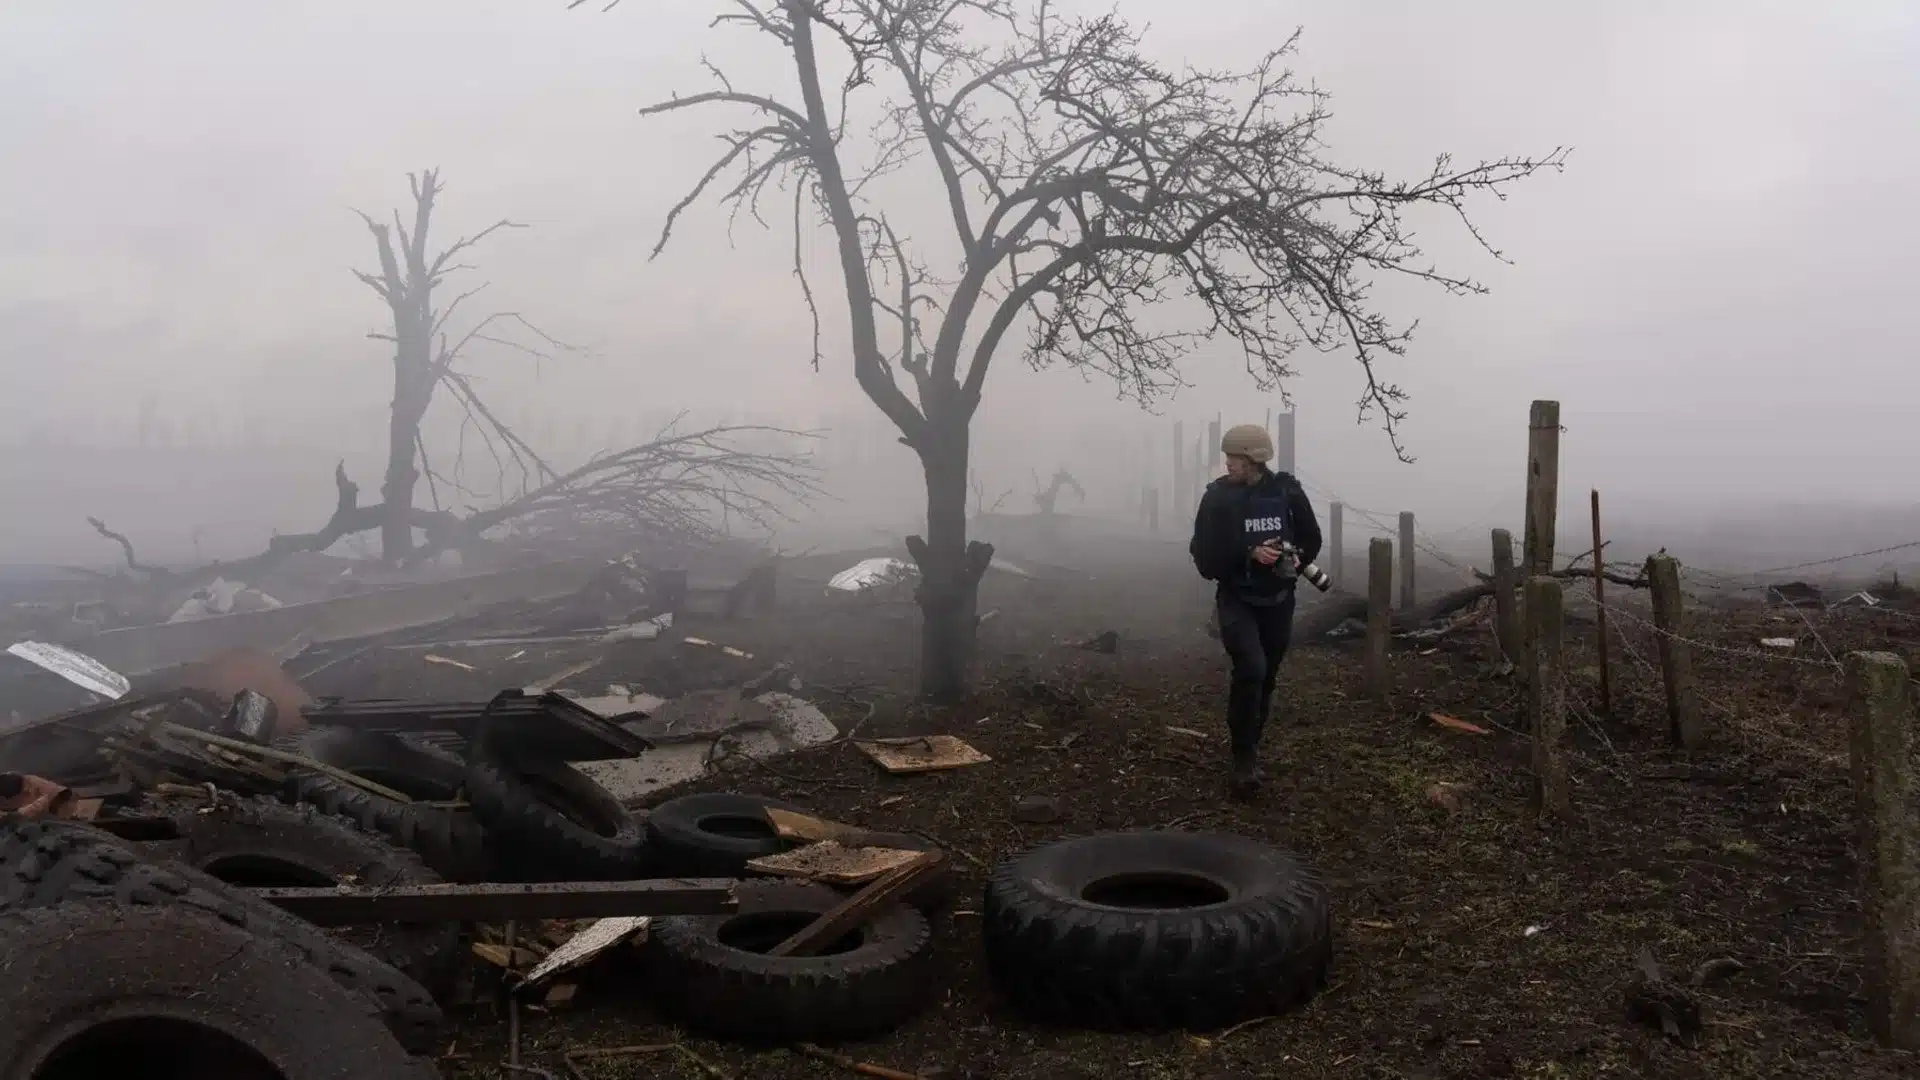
point(1085, 183)
point(425, 355)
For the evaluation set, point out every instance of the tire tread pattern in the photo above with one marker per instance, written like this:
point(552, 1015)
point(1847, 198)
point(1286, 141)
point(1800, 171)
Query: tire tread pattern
point(1059, 960)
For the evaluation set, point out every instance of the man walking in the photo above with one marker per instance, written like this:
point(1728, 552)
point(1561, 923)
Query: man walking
point(1253, 530)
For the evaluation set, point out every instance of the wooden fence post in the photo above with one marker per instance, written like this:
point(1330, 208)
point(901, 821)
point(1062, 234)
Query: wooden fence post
point(1406, 560)
point(1881, 750)
point(1547, 696)
point(1337, 560)
point(1676, 660)
point(1379, 613)
point(1543, 486)
point(1600, 609)
point(1506, 607)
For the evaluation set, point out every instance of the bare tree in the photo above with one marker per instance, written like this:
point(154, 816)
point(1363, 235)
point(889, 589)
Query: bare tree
point(425, 355)
point(1086, 185)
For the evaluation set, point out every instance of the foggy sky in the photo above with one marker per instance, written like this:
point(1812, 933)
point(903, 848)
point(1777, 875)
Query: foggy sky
point(1717, 288)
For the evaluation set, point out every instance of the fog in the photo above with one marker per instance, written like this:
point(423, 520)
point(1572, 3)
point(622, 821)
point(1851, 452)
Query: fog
point(1717, 288)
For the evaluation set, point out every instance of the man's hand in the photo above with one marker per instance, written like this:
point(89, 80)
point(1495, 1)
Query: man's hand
point(1266, 554)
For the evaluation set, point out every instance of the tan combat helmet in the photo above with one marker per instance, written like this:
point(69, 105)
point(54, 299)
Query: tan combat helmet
point(1249, 441)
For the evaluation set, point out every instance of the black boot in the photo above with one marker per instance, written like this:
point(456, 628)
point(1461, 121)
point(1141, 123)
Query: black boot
point(1245, 776)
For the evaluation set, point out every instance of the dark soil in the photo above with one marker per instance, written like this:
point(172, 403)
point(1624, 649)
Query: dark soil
point(1472, 941)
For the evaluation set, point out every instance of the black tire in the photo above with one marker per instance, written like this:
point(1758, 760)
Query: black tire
point(715, 978)
point(1156, 930)
point(47, 864)
point(97, 990)
point(548, 821)
point(714, 834)
point(452, 843)
point(265, 843)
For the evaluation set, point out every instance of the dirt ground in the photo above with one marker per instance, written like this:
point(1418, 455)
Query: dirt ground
point(1471, 941)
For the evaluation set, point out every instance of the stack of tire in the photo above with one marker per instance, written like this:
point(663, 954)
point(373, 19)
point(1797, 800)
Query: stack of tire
point(535, 821)
point(121, 965)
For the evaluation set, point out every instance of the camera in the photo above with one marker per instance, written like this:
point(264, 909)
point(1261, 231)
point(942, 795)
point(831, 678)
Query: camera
point(1314, 576)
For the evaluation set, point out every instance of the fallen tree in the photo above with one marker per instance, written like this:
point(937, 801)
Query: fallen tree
point(686, 488)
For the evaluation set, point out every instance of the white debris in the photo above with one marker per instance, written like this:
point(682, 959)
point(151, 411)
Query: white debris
point(223, 597)
point(1777, 642)
point(645, 630)
point(792, 724)
point(872, 573)
point(77, 668)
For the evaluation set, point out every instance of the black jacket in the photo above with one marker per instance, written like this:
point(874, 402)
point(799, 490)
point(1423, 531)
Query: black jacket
point(1224, 536)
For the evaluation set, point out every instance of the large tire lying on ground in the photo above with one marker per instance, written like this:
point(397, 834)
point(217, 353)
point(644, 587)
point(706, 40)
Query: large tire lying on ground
point(96, 989)
point(262, 843)
point(452, 843)
point(1156, 930)
point(714, 834)
point(548, 821)
point(716, 978)
point(46, 864)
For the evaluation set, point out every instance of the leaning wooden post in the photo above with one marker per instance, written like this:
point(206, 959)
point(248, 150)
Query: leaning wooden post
point(1676, 661)
point(1543, 486)
point(1379, 612)
point(1547, 696)
point(1506, 608)
point(1600, 609)
point(1881, 749)
point(1336, 554)
point(1406, 560)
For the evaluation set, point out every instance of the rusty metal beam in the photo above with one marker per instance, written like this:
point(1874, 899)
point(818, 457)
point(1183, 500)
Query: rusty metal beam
point(345, 905)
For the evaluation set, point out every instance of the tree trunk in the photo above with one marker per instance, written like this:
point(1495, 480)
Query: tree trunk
point(950, 566)
point(403, 437)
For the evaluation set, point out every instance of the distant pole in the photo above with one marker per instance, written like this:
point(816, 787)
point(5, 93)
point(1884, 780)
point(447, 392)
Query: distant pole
point(1179, 465)
point(1213, 443)
point(1338, 556)
point(1543, 486)
point(1600, 609)
point(1284, 443)
point(1406, 560)
point(1379, 613)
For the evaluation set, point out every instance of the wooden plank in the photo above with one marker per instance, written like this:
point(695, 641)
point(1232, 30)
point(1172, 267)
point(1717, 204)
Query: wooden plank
point(855, 910)
point(345, 905)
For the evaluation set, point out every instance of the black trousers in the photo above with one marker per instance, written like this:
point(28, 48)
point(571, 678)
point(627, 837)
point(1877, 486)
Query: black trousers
point(1256, 637)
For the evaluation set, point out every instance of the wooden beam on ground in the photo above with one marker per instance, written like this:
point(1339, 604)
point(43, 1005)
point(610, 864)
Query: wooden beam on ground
point(855, 910)
point(346, 905)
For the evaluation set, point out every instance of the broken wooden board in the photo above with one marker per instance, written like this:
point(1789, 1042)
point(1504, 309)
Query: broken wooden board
point(596, 938)
point(833, 863)
point(853, 912)
point(793, 825)
point(925, 753)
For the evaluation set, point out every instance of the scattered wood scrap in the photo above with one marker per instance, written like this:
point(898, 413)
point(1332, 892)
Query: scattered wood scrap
point(833, 863)
point(924, 753)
